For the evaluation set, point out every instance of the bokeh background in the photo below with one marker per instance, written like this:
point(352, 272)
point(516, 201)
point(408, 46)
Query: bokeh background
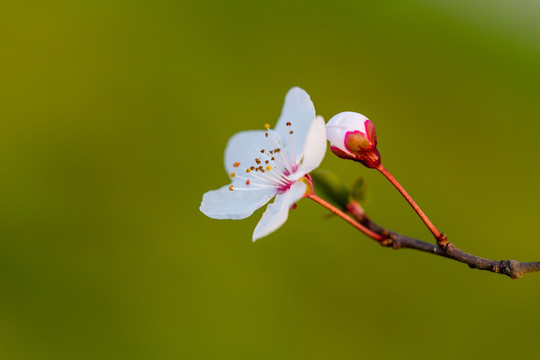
point(114, 117)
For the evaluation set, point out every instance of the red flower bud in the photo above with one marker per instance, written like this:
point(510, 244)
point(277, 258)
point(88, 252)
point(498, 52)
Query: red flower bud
point(352, 136)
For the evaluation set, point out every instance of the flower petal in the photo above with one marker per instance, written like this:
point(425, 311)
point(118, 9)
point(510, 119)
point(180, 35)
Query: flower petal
point(298, 110)
point(245, 146)
point(226, 204)
point(277, 212)
point(314, 148)
point(340, 124)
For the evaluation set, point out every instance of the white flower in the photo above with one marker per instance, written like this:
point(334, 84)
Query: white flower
point(271, 163)
point(352, 136)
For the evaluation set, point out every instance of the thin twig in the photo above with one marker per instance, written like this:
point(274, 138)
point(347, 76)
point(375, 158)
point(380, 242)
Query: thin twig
point(512, 268)
point(359, 226)
point(441, 238)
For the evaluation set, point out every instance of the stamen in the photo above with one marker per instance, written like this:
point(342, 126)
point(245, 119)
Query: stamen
point(278, 178)
point(236, 164)
point(231, 187)
point(254, 187)
point(265, 178)
point(265, 181)
point(271, 178)
point(267, 126)
point(288, 164)
point(279, 165)
point(274, 140)
point(285, 162)
point(288, 123)
point(293, 150)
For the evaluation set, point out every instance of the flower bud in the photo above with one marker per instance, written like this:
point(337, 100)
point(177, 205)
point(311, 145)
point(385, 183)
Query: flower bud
point(352, 136)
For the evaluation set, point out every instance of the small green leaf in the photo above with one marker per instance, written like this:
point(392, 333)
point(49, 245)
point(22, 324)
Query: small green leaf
point(358, 190)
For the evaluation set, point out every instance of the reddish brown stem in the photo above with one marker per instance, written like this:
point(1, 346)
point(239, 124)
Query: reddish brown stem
point(510, 268)
point(441, 238)
point(347, 218)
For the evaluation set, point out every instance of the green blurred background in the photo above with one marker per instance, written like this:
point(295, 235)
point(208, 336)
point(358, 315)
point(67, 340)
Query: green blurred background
point(114, 118)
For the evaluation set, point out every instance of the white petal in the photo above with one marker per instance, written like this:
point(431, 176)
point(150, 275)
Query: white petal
point(226, 204)
point(277, 212)
point(314, 148)
point(244, 147)
point(340, 124)
point(349, 119)
point(336, 136)
point(298, 109)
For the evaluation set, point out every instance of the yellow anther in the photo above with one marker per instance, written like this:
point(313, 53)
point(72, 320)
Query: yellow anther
point(230, 187)
point(268, 168)
point(248, 170)
point(236, 164)
point(267, 126)
point(233, 174)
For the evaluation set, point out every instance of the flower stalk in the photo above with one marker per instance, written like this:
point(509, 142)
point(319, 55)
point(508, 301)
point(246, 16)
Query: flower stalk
point(442, 241)
point(347, 218)
point(352, 136)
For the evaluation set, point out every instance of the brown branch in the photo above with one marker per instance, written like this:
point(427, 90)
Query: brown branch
point(512, 268)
